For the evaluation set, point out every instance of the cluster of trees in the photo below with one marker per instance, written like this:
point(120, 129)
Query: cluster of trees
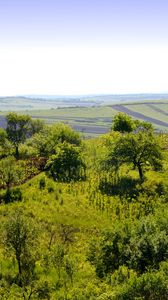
point(29, 146)
point(57, 148)
point(21, 242)
point(44, 253)
point(60, 147)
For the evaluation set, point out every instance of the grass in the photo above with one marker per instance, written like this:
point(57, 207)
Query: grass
point(83, 208)
point(149, 112)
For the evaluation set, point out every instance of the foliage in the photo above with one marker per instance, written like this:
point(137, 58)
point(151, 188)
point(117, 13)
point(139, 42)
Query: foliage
point(123, 123)
point(42, 183)
point(46, 141)
point(66, 164)
point(12, 195)
point(101, 238)
point(140, 248)
point(36, 126)
point(19, 239)
point(8, 173)
point(13, 172)
point(141, 150)
point(5, 145)
point(149, 286)
point(18, 128)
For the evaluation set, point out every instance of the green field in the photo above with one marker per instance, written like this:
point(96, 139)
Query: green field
point(95, 119)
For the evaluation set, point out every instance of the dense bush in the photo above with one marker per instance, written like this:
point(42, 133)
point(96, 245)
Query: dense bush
point(13, 195)
point(140, 248)
point(66, 164)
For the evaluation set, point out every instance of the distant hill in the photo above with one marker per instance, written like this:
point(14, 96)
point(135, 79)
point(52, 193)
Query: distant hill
point(31, 102)
point(91, 115)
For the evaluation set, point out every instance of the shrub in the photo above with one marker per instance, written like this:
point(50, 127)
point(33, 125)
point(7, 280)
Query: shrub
point(67, 164)
point(13, 195)
point(42, 183)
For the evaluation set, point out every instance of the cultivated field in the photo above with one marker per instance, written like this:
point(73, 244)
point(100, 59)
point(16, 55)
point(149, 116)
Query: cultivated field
point(92, 117)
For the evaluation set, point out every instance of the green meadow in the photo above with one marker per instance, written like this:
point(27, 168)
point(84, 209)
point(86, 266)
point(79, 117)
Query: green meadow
point(78, 219)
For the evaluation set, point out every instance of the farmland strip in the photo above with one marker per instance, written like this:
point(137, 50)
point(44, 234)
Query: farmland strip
point(154, 107)
point(91, 129)
point(122, 108)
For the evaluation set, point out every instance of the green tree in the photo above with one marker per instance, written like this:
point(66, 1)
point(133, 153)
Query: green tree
point(19, 240)
point(139, 247)
point(8, 172)
point(143, 126)
point(149, 286)
point(36, 126)
point(123, 123)
point(46, 141)
point(66, 164)
point(5, 144)
point(3, 136)
point(141, 150)
point(18, 128)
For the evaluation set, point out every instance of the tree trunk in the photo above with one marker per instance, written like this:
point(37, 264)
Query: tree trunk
point(19, 269)
point(141, 176)
point(17, 152)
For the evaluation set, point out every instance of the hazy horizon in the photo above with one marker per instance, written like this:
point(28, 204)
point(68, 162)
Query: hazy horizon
point(83, 47)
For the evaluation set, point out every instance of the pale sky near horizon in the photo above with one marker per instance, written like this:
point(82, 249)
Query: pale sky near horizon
point(83, 47)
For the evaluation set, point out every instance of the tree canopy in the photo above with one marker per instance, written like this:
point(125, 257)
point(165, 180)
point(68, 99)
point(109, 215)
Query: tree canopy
point(122, 123)
point(66, 164)
point(46, 141)
point(140, 149)
point(18, 127)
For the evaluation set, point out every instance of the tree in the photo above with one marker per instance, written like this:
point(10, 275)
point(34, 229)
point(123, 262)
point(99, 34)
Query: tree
point(5, 144)
point(123, 123)
point(8, 172)
point(20, 240)
point(63, 133)
point(46, 141)
point(141, 149)
point(18, 127)
point(3, 136)
point(36, 126)
point(66, 164)
point(140, 247)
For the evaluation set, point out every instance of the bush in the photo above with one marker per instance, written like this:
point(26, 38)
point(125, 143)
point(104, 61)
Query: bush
point(42, 183)
point(13, 195)
point(149, 286)
point(140, 248)
point(67, 164)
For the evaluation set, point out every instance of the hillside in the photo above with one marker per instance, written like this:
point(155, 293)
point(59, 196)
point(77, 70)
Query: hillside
point(77, 220)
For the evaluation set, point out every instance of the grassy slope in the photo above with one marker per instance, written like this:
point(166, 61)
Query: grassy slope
point(150, 111)
point(83, 207)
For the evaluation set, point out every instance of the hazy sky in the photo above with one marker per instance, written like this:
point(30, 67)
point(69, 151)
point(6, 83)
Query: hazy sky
point(82, 47)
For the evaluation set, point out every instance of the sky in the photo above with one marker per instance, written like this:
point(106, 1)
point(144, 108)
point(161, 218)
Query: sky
point(83, 47)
